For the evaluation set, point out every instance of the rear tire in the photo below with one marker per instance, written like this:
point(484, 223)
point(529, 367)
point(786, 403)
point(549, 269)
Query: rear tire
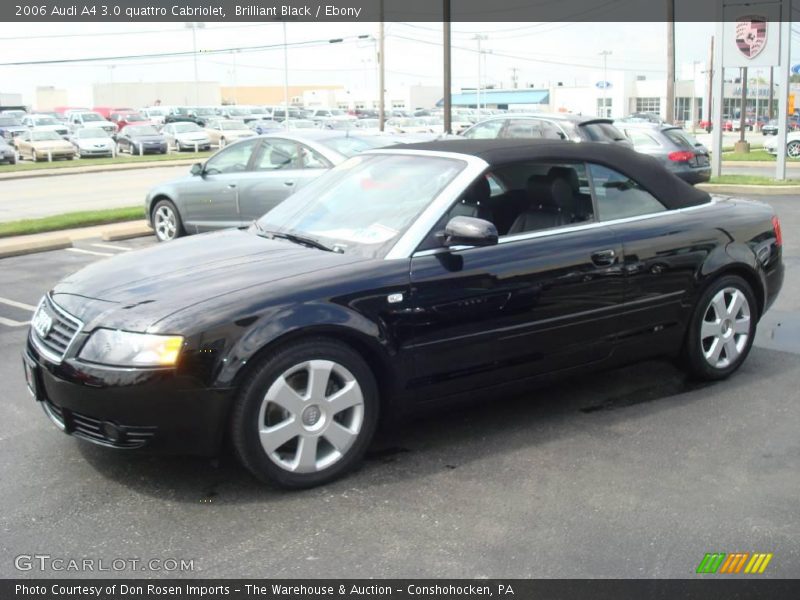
point(722, 329)
point(306, 415)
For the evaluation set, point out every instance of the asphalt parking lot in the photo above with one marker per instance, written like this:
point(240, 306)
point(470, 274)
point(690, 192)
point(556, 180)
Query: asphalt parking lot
point(636, 472)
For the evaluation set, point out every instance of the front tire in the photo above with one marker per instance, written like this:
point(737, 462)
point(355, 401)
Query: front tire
point(167, 222)
point(306, 415)
point(793, 149)
point(722, 329)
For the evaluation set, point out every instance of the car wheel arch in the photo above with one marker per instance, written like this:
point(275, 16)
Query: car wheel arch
point(372, 352)
point(748, 272)
point(158, 198)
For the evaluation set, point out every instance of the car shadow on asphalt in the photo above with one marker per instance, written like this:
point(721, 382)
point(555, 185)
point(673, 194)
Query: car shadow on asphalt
point(447, 438)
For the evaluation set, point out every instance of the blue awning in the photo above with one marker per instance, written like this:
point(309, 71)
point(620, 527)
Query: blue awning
point(500, 97)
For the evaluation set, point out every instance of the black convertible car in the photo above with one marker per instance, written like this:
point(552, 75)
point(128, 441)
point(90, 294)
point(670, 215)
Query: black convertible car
point(405, 276)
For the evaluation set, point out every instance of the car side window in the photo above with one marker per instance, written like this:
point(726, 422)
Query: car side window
point(640, 139)
point(233, 159)
point(313, 159)
point(488, 130)
point(523, 128)
point(620, 197)
point(277, 155)
point(551, 131)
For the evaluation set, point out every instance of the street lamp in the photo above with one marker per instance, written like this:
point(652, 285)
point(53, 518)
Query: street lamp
point(194, 27)
point(605, 54)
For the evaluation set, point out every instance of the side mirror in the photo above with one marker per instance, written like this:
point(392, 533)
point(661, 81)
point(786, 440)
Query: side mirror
point(469, 231)
point(197, 169)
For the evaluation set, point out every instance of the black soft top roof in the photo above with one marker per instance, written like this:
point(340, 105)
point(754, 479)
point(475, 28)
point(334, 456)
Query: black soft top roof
point(672, 191)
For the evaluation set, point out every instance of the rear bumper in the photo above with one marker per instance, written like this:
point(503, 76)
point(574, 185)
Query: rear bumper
point(152, 409)
point(694, 175)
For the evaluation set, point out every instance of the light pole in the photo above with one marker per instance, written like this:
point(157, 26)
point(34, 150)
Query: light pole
point(194, 26)
point(605, 54)
point(479, 38)
point(694, 93)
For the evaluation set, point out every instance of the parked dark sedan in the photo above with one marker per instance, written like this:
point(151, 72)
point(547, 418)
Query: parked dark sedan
point(8, 154)
point(403, 277)
point(677, 150)
point(141, 139)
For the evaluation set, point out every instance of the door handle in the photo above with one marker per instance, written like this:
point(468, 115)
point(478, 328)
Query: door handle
point(231, 185)
point(604, 258)
point(288, 183)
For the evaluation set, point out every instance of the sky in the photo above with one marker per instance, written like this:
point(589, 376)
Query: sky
point(542, 53)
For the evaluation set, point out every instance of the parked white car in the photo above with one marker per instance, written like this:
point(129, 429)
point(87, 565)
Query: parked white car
point(92, 141)
point(79, 120)
point(186, 136)
point(154, 114)
point(792, 144)
point(45, 123)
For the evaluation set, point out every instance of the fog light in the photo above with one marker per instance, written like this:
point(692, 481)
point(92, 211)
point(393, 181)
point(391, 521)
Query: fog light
point(113, 432)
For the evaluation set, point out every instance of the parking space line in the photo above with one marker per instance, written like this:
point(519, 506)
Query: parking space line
point(16, 304)
point(82, 251)
point(111, 247)
point(12, 322)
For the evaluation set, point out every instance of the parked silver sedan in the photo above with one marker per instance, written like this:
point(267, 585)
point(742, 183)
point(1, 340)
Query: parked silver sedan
point(249, 177)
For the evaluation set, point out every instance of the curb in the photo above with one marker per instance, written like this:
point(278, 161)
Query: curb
point(759, 163)
point(98, 169)
point(33, 246)
point(57, 240)
point(756, 190)
point(136, 230)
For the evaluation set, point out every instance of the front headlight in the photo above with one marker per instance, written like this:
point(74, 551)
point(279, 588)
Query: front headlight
point(125, 349)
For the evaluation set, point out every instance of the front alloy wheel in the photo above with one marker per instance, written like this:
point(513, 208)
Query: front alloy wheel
point(723, 329)
point(306, 415)
point(793, 149)
point(166, 221)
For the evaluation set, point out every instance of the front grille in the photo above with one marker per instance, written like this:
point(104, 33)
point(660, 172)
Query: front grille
point(91, 429)
point(53, 340)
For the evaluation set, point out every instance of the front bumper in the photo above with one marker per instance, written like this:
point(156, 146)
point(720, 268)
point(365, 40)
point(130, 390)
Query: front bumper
point(44, 155)
point(154, 409)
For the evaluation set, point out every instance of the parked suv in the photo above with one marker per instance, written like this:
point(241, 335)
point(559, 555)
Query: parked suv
point(77, 120)
point(677, 150)
point(555, 126)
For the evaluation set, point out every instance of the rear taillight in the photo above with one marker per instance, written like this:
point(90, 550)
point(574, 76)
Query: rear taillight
point(776, 227)
point(681, 156)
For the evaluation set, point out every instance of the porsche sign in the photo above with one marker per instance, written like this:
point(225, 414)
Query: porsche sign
point(751, 35)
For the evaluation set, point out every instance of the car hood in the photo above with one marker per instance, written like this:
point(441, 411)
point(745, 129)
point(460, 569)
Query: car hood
point(147, 138)
point(136, 290)
point(102, 141)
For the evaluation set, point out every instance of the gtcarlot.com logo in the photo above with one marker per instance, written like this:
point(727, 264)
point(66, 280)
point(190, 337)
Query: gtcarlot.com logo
point(750, 563)
point(46, 562)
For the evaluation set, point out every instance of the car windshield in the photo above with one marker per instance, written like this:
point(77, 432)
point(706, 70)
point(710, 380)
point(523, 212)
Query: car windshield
point(141, 130)
point(204, 111)
point(336, 112)
point(301, 124)
point(91, 132)
point(44, 136)
point(350, 146)
point(92, 117)
point(363, 206)
point(156, 112)
point(9, 122)
point(232, 125)
point(681, 138)
point(44, 121)
point(238, 112)
point(132, 117)
point(186, 127)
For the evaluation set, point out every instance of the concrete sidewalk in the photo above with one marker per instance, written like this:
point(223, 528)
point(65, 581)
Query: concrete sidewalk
point(55, 240)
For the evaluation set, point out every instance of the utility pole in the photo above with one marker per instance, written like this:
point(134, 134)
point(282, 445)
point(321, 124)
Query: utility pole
point(194, 27)
point(710, 85)
point(479, 38)
point(605, 112)
point(743, 112)
point(670, 112)
point(285, 78)
point(694, 94)
point(381, 72)
point(448, 117)
point(514, 77)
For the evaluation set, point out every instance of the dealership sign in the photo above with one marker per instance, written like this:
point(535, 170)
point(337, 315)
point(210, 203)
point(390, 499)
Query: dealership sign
point(603, 85)
point(751, 35)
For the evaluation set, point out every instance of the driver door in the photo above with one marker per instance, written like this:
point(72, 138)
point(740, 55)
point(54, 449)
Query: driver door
point(210, 201)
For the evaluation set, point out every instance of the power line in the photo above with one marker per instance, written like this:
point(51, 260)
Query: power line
point(116, 33)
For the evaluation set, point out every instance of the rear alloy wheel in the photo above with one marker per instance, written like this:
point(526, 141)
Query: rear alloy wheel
point(306, 415)
point(793, 149)
point(722, 329)
point(167, 221)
